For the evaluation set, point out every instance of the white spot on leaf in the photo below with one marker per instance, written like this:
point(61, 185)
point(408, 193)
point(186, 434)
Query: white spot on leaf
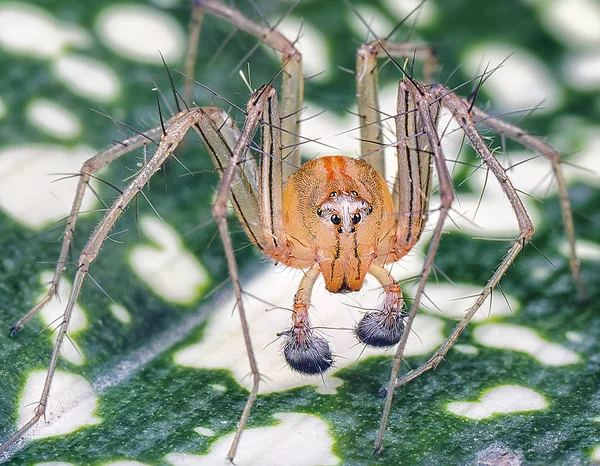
point(138, 32)
point(451, 135)
point(465, 349)
point(582, 72)
point(378, 23)
point(426, 336)
point(326, 127)
point(54, 463)
point(586, 160)
point(33, 31)
point(574, 337)
point(120, 313)
point(523, 80)
point(586, 250)
point(517, 338)
point(205, 431)
point(312, 44)
point(427, 12)
point(500, 400)
point(171, 271)
point(490, 216)
point(453, 301)
point(72, 404)
point(529, 175)
point(298, 440)
point(596, 454)
point(28, 192)
point(125, 463)
point(87, 77)
point(53, 118)
point(575, 22)
point(3, 109)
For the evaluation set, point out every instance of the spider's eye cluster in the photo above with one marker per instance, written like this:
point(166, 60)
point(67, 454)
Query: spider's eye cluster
point(345, 210)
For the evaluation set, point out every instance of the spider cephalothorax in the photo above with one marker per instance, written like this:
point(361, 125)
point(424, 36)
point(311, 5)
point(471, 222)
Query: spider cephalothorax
point(338, 219)
point(337, 212)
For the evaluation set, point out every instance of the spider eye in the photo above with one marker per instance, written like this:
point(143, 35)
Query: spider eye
point(354, 193)
point(336, 219)
point(340, 230)
point(319, 211)
point(356, 218)
point(332, 194)
point(370, 209)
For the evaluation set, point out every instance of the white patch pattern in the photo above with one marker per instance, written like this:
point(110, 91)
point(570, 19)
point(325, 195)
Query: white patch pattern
point(300, 439)
point(172, 272)
point(500, 400)
point(517, 338)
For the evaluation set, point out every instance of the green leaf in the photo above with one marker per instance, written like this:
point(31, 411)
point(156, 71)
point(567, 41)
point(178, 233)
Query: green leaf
point(159, 374)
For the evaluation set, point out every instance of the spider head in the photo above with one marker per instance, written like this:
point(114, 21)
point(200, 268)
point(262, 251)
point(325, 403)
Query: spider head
point(336, 212)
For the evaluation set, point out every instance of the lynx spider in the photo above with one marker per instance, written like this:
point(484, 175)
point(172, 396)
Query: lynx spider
point(339, 218)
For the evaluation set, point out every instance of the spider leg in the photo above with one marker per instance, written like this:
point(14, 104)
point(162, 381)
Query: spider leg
point(176, 129)
point(292, 93)
point(218, 137)
point(87, 171)
point(371, 134)
point(541, 147)
point(235, 184)
point(412, 186)
point(460, 110)
point(256, 195)
point(419, 99)
point(304, 352)
point(89, 168)
point(220, 140)
point(385, 326)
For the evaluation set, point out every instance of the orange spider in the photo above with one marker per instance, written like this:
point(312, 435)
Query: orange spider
point(334, 216)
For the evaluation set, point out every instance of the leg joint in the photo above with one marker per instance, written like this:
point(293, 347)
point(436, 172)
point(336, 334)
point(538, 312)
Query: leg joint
point(447, 199)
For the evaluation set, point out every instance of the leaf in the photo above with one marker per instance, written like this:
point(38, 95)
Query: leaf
point(158, 374)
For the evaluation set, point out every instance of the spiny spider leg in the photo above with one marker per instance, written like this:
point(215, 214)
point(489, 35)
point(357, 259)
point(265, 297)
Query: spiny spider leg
point(292, 87)
point(460, 110)
point(550, 153)
point(371, 132)
point(262, 105)
point(87, 171)
point(416, 123)
point(218, 133)
point(221, 137)
point(176, 129)
point(423, 114)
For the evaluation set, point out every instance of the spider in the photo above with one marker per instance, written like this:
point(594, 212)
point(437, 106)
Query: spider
point(333, 217)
